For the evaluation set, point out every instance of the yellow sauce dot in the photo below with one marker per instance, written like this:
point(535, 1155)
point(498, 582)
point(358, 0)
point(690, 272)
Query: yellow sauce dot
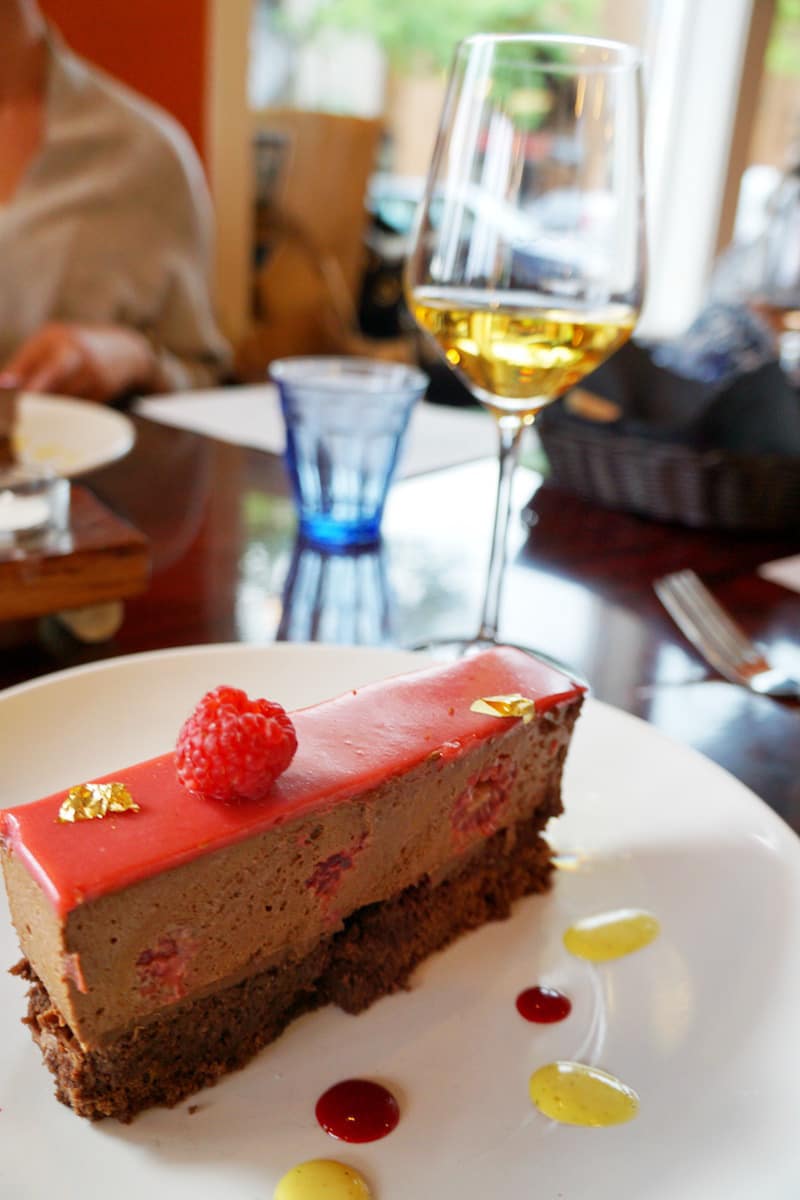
point(611, 935)
point(322, 1179)
point(575, 1094)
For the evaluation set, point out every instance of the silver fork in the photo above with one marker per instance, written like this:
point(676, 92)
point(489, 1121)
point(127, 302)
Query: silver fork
point(718, 638)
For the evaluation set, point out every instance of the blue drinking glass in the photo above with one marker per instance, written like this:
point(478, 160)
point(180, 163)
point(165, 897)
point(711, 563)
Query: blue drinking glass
point(345, 421)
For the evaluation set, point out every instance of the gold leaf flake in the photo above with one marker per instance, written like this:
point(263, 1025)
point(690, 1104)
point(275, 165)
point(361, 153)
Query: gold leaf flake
point(93, 801)
point(513, 705)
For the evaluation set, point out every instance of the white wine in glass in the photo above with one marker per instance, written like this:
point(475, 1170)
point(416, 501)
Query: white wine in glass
point(528, 256)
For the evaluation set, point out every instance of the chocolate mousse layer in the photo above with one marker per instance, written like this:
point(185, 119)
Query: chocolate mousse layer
point(194, 1043)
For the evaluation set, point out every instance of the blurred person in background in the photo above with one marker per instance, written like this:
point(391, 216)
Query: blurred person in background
point(105, 230)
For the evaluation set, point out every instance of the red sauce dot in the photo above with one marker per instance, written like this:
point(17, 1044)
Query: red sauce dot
point(543, 1005)
point(357, 1110)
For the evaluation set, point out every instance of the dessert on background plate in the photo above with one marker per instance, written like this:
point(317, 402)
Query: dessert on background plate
point(174, 937)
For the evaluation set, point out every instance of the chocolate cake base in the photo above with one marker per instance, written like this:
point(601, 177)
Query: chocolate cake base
point(197, 1041)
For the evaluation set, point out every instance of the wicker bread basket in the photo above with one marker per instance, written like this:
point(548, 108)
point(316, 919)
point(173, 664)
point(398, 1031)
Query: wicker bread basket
point(700, 488)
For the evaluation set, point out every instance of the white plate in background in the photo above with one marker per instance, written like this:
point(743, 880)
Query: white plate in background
point(71, 436)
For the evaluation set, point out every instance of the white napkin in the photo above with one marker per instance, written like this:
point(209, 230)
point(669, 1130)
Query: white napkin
point(438, 436)
point(785, 571)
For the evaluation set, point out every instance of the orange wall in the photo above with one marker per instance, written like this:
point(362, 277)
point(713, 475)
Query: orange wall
point(155, 46)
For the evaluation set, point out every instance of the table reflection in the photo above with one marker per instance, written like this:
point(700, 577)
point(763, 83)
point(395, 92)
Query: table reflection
point(336, 596)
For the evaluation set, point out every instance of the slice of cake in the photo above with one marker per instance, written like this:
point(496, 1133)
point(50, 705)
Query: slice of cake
point(166, 944)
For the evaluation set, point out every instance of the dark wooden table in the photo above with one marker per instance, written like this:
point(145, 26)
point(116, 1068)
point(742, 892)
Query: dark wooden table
point(226, 568)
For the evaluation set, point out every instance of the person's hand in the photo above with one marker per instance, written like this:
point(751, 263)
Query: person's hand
point(96, 362)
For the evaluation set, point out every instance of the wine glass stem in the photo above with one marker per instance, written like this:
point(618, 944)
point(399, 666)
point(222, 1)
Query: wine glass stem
point(510, 429)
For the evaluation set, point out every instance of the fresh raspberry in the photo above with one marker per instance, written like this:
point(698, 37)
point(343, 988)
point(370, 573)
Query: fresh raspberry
point(233, 748)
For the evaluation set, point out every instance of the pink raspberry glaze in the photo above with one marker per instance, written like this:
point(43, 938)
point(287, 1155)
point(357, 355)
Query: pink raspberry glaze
point(345, 747)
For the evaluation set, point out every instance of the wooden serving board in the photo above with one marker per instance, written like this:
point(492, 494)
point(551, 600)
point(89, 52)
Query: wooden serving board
point(102, 558)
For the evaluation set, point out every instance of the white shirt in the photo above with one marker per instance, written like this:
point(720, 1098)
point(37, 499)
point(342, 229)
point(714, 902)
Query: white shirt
point(111, 223)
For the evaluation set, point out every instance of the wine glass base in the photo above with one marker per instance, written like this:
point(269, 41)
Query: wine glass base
point(454, 649)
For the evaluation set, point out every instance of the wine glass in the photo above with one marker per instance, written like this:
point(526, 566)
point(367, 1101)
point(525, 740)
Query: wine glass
point(527, 261)
point(777, 288)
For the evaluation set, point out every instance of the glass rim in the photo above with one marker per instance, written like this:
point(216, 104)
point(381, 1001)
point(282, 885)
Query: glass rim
point(406, 376)
point(627, 56)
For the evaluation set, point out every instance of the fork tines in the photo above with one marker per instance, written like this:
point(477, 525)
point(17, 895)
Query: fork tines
point(708, 626)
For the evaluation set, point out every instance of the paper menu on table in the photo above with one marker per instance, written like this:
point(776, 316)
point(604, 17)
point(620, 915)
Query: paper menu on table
point(250, 416)
point(785, 571)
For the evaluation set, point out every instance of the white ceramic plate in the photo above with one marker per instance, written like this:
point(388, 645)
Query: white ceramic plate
point(71, 436)
point(703, 1023)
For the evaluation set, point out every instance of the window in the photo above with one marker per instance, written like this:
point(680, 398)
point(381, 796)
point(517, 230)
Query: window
point(373, 57)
